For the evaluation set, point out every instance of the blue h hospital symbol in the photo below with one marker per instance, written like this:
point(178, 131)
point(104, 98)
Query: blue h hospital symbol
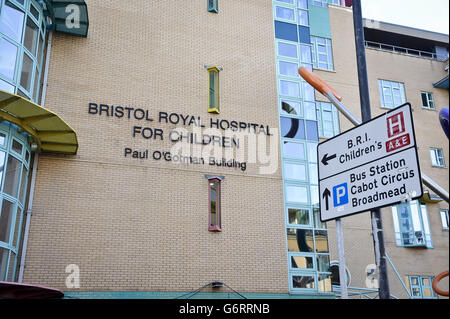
point(340, 195)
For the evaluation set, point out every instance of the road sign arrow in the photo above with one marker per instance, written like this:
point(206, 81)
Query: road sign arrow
point(325, 195)
point(327, 158)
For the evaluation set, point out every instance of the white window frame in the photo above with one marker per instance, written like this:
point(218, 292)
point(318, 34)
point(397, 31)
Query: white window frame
point(418, 231)
point(444, 218)
point(430, 100)
point(392, 88)
point(437, 157)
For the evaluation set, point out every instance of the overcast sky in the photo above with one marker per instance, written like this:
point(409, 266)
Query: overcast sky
point(429, 15)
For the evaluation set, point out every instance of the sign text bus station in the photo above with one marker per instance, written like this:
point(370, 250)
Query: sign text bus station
point(370, 166)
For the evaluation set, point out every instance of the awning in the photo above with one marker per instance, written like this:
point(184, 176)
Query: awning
point(442, 84)
point(48, 130)
point(430, 198)
point(14, 290)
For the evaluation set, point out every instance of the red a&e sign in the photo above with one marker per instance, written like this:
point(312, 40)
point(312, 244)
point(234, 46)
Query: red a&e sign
point(395, 127)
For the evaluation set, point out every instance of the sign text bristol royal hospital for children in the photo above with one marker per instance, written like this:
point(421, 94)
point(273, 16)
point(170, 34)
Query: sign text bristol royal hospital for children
point(202, 134)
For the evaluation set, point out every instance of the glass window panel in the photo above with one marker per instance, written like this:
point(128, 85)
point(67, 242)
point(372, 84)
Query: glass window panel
point(414, 281)
point(308, 92)
point(20, 93)
point(323, 66)
point(312, 152)
point(310, 110)
point(5, 86)
point(8, 57)
point(285, 13)
point(40, 49)
point(34, 12)
point(36, 82)
point(4, 253)
point(322, 50)
point(295, 171)
point(290, 88)
point(292, 128)
point(2, 165)
point(23, 184)
point(300, 240)
point(321, 241)
point(298, 216)
point(2, 143)
point(27, 69)
point(304, 34)
point(316, 216)
point(314, 195)
point(303, 17)
point(302, 262)
point(305, 53)
point(288, 68)
point(312, 132)
point(12, 177)
point(427, 292)
point(16, 227)
point(444, 218)
point(17, 147)
point(286, 49)
point(297, 194)
point(323, 263)
point(293, 150)
point(31, 36)
point(213, 201)
point(287, 1)
point(286, 31)
point(12, 21)
point(325, 283)
point(293, 108)
point(12, 260)
point(302, 4)
point(416, 292)
point(313, 174)
point(6, 219)
point(303, 282)
point(424, 100)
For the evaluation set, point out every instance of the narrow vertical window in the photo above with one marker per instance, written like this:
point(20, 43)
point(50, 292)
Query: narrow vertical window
point(444, 218)
point(213, 6)
point(213, 95)
point(214, 204)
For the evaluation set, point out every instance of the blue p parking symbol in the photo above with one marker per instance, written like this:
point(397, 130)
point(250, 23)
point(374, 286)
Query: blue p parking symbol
point(340, 195)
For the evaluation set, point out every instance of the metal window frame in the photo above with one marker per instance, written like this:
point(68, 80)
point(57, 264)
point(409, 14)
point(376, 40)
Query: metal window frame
point(17, 202)
point(37, 66)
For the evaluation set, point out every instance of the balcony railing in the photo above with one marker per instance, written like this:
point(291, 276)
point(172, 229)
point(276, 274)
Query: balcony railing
point(401, 50)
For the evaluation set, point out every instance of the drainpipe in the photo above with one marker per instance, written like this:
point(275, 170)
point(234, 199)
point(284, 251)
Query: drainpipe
point(35, 164)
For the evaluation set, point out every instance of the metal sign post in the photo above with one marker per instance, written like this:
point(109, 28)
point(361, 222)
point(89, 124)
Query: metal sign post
point(340, 248)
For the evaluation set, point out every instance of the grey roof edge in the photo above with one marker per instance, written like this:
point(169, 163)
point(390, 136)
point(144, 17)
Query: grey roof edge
point(405, 30)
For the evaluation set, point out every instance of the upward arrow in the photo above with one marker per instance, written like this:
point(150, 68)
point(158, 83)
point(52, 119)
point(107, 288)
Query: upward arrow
point(327, 158)
point(326, 194)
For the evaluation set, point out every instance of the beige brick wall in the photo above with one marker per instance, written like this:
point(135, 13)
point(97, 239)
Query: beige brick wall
point(138, 224)
point(417, 74)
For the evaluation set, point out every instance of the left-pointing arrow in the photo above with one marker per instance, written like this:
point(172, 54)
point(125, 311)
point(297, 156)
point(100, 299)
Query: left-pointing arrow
point(326, 195)
point(327, 158)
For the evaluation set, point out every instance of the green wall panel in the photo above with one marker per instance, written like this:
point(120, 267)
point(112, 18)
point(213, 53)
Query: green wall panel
point(319, 19)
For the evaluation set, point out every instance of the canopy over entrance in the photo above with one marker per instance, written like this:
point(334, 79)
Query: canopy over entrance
point(50, 133)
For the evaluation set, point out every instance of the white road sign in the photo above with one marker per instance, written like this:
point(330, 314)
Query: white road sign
point(373, 165)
